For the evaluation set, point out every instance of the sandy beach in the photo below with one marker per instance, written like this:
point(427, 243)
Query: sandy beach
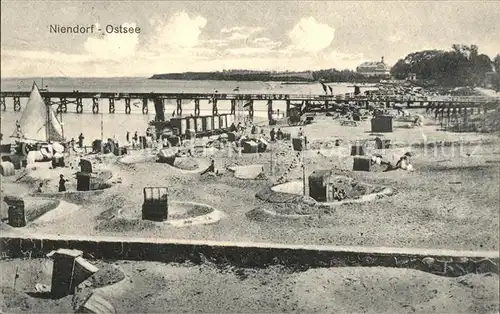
point(449, 201)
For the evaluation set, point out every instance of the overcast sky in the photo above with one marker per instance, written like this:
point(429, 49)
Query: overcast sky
point(213, 35)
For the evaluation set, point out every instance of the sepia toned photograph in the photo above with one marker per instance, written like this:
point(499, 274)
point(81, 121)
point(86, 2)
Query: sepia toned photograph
point(250, 157)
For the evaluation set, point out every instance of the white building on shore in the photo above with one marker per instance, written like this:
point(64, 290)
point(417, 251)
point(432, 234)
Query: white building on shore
point(371, 69)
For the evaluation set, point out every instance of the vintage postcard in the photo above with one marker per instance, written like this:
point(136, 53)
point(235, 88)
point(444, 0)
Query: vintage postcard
point(250, 157)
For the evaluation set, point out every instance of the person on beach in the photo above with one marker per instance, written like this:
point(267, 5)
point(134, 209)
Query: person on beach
point(136, 137)
point(301, 133)
point(403, 163)
point(62, 183)
point(233, 128)
point(210, 168)
point(72, 144)
point(80, 140)
point(279, 134)
point(272, 134)
point(39, 189)
point(128, 137)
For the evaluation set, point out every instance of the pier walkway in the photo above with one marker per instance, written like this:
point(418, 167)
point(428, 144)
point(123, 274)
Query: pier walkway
point(303, 103)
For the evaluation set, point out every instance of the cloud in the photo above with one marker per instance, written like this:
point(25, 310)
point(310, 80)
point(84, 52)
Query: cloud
point(181, 31)
point(242, 29)
point(113, 46)
point(266, 42)
point(311, 36)
point(241, 32)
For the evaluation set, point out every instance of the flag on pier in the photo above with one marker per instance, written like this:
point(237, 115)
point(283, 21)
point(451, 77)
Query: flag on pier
point(324, 87)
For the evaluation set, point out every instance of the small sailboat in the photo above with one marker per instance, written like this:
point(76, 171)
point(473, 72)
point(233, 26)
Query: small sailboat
point(38, 124)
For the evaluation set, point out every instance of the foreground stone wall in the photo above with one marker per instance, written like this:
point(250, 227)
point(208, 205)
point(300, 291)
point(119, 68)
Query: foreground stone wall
point(298, 257)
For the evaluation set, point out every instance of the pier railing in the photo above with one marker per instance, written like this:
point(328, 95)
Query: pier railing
point(304, 102)
point(248, 96)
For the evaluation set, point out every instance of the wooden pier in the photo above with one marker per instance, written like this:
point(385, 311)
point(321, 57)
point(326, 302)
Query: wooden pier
point(299, 102)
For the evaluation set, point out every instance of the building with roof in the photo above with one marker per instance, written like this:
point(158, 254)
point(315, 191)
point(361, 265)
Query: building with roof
point(371, 69)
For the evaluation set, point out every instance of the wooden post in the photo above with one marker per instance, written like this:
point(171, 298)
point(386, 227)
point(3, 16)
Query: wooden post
point(250, 110)
point(287, 108)
point(270, 109)
point(79, 105)
point(17, 104)
point(145, 108)
point(95, 106)
point(63, 107)
point(178, 110)
point(196, 107)
point(127, 105)
point(111, 105)
point(215, 111)
point(233, 106)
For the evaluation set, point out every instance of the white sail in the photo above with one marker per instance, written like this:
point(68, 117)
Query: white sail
point(38, 121)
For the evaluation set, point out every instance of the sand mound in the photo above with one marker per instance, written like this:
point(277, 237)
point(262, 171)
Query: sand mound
point(186, 163)
point(292, 187)
point(267, 194)
point(63, 210)
point(250, 172)
point(353, 189)
point(138, 157)
point(180, 214)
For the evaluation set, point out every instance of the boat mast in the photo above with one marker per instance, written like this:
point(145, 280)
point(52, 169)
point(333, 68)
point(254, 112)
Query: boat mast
point(47, 132)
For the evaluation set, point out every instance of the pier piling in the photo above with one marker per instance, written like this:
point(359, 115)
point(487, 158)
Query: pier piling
point(111, 105)
point(127, 106)
point(215, 111)
point(233, 106)
point(17, 104)
point(250, 110)
point(269, 109)
point(197, 107)
point(95, 106)
point(79, 104)
point(178, 110)
point(145, 106)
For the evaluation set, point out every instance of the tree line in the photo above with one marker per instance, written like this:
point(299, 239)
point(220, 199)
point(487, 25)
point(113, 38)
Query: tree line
point(461, 66)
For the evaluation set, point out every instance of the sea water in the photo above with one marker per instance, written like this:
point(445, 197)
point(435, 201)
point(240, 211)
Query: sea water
point(117, 124)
